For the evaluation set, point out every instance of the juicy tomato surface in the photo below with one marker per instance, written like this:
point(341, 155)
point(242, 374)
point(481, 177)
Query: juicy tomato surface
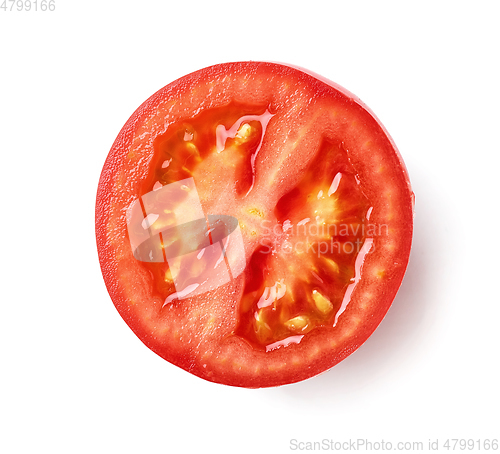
point(254, 223)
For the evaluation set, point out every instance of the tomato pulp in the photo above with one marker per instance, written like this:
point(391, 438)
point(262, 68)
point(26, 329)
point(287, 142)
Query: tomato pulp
point(254, 223)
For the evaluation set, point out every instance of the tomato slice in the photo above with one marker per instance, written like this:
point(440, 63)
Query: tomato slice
point(253, 223)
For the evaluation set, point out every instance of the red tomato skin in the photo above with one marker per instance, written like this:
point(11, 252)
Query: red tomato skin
point(239, 364)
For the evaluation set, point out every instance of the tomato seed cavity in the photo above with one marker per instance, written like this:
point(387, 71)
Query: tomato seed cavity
point(297, 279)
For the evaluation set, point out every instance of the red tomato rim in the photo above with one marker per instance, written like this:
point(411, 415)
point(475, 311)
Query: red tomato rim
point(277, 374)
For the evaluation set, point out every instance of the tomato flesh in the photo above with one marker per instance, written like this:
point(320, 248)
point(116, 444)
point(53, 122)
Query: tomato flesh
point(297, 224)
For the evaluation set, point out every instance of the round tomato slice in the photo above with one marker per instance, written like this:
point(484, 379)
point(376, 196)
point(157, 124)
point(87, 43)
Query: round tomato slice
point(253, 223)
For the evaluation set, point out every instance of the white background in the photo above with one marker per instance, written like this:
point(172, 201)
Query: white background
point(74, 379)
